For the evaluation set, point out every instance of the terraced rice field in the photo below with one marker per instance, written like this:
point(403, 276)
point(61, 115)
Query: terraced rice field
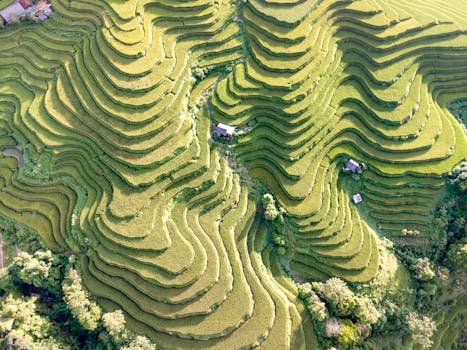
point(120, 162)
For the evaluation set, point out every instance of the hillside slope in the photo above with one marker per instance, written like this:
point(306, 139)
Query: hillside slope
point(114, 101)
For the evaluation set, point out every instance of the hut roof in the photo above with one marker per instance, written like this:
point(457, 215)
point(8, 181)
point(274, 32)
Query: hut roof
point(357, 198)
point(13, 12)
point(352, 165)
point(224, 130)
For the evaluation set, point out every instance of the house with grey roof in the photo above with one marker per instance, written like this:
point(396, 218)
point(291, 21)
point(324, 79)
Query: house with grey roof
point(353, 166)
point(35, 10)
point(13, 13)
point(357, 198)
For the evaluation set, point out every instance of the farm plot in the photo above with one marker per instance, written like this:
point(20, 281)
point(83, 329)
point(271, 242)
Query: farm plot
point(114, 103)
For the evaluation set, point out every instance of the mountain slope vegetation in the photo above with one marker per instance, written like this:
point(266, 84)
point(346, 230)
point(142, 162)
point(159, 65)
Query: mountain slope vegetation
point(113, 104)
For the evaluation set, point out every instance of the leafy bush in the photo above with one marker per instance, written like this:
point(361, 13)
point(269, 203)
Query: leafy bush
point(424, 269)
point(317, 308)
point(24, 326)
point(139, 343)
point(458, 176)
point(348, 335)
point(366, 311)
point(333, 327)
point(87, 312)
point(457, 257)
point(276, 218)
point(422, 329)
point(20, 236)
point(304, 291)
point(338, 295)
point(114, 323)
point(269, 205)
point(42, 270)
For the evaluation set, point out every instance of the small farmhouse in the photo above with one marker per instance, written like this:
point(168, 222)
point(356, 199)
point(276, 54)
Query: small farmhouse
point(13, 13)
point(353, 166)
point(357, 198)
point(224, 130)
point(37, 11)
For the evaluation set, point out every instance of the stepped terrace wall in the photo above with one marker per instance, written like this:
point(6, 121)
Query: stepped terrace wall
point(114, 104)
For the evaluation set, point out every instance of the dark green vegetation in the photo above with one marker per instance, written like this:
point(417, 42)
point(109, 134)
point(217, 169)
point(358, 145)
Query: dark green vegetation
point(427, 305)
point(459, 109)
point(113, 104)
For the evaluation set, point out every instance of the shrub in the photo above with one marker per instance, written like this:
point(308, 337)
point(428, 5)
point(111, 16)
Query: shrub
point(20, 236)
point(442, 273)
point(333, 327)
point(428, 289)
point(406, 232)
point(269, 205)
point(41, 270)
point(87, 313)
point(304, 291)
point(200, 73)
point(139, 343)
point(23, 326)
point(421, 328)
point(275, 216)
point(18, 339)
point(366, 311)
point(114, 323)
point(424, 269)
point(339, 296)
point(458, 176)
point(316, 307)
point(281, 250)
point(348, 335)
point(457, 257)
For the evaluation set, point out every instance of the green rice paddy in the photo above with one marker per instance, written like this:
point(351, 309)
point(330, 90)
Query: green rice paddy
point(111, 92)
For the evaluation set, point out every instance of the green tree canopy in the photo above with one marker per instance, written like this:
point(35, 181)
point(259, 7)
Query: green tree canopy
point(424, 269)
point(24, 327)
point(341, 299)
point(87, 312)
point(41, 269)
point(422, 329)
point(139, 343)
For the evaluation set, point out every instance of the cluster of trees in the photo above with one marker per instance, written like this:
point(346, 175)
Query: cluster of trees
point(432, 265)
point(453, 220)
point(275, 216)
point(345, 319)
point(459, 110)
point(18, 236)
point(25, 324)
point(85, 311)
point(350, 317)
point(44, 304)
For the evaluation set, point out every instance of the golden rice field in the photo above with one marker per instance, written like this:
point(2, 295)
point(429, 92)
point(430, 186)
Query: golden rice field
point(113, 103)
